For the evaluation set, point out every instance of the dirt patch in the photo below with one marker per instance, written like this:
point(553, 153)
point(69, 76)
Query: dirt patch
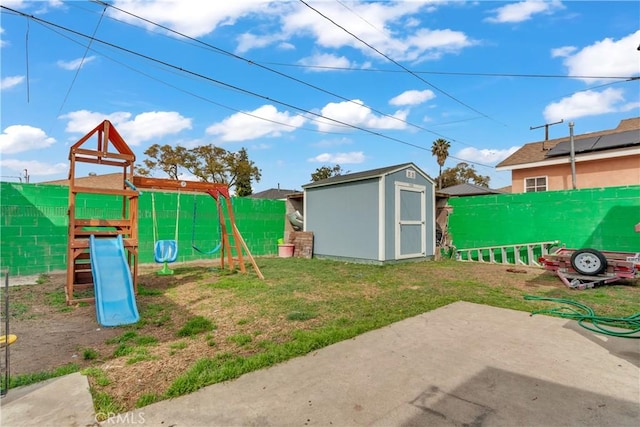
point(51, 335)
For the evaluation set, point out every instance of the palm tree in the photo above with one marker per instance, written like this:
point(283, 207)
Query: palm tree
point(440, 149)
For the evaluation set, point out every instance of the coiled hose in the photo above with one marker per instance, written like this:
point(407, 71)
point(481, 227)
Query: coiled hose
point(599, 324)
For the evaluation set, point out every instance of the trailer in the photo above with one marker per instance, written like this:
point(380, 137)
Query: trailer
point(587, 268)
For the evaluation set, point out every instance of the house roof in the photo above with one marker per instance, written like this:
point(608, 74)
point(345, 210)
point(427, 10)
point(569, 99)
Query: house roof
point(467, 189)
point(273, 193)
point(535, 152)
point(359, 176)
point(109, 180)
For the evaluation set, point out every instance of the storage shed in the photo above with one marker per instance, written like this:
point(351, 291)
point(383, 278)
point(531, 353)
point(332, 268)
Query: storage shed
point(376, 216)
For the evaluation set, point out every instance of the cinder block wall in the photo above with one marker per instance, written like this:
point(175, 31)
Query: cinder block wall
point(34, 222)
point(599, 218)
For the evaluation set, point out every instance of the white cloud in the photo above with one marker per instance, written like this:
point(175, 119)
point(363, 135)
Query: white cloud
point(486, 156)
point(276, 22)
point(339, 158)
point(412, 97)
point(325, 60)
point(14, 4)
point(11, 81)
point(607, 57)
point(631, 106)
point(194, 19)
point(82, 121)
point(378, 23)
point(3, 42)
point(45, 5)
point(562, 52)
point(248, 41)
point(19, 138)
point(523, 11)
point(74, 64)
point(143, 127)
point(153, 125)
point(268, 121)
point(433, 44)
point(286, 46)
point(34, 167)
point(586, 103)
point(412, 22)
point(356, 114)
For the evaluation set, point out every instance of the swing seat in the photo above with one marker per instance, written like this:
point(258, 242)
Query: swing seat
point(166, 251)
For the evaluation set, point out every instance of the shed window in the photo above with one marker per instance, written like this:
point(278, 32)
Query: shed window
point(538, 183)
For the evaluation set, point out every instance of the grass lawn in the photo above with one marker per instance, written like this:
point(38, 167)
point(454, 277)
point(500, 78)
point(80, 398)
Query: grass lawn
point(203, 325)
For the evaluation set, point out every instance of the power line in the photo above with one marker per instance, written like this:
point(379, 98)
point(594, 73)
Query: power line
point(328, 67)
point(212, 80)
point(597, 87)
point(260, 65)
point(26, 56)
point(454, 73)
point(195, 95)
point(397, 63)
point(361, 18)
point(190, 73)
point(84, 56)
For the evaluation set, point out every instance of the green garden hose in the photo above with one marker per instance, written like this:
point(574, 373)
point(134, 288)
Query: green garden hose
point(599, 324)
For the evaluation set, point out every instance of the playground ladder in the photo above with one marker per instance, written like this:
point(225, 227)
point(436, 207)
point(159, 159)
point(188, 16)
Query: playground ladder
point(513, 254)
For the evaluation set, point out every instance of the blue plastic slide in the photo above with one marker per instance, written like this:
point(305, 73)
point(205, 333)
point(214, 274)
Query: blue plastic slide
point(115, 297)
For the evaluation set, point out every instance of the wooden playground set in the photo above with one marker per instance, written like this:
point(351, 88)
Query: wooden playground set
point(103, 253)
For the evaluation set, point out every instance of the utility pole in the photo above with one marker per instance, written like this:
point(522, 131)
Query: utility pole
point(573, 156)
point(546, 130)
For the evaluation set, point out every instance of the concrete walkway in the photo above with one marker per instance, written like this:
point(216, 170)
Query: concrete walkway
point(63, 401)
point(463, 364)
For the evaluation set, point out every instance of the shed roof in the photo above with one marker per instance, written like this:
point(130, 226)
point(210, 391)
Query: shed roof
point(538, 151)
point(359, 176)
point(468, 189)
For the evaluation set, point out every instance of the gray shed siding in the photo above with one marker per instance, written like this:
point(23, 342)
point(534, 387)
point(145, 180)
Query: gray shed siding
point(379, 216)
point(344, 219)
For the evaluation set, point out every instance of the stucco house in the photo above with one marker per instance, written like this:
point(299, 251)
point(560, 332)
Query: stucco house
point(605, 158)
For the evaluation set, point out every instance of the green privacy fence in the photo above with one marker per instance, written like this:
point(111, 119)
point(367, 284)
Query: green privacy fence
point(33, 218)
point(599, 218)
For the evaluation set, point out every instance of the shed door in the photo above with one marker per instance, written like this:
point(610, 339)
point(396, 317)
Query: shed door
point(410, 220)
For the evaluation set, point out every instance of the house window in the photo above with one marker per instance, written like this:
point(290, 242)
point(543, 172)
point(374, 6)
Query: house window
point(538, 183)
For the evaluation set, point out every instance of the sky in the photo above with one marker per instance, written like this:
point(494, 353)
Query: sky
point(306, 84)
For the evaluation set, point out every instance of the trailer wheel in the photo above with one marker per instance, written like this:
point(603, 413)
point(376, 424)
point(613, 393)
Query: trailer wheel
point(588, 262)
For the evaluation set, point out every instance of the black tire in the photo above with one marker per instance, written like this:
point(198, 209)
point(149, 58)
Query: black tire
point(588, 262)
